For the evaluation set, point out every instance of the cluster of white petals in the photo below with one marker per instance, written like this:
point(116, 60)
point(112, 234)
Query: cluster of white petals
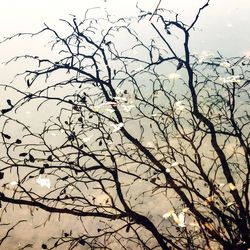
point(108, 103)
point(151, 144)
point(127, 108)
point(205, 55)
point(175, 164)
point(225, 64)
point(119, 91)
point(231, 186)
point(96, 108)
point(43, 182)
point(86, 139)
point(179, 106)
point(230, 79)
point(119, 100)
point(70, 187)
point(110, 110)
point(13, 183)
point(156, 115)
point(117, 127)
point(174, 76)
point(178, 219)
point(125, 103)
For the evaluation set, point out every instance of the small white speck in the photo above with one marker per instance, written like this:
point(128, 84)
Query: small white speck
point(175, 164)
point(13, 183)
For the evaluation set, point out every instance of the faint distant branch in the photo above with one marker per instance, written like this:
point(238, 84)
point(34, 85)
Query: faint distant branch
point(8, 231)
point(155, 10)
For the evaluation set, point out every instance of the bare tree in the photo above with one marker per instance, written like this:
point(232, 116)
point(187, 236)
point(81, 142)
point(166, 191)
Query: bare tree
point(151, 143)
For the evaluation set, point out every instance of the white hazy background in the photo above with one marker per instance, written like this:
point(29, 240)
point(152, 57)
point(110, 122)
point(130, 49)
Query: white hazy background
point(224, 26)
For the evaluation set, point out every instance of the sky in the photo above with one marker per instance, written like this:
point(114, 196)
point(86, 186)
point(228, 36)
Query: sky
point(224, 24)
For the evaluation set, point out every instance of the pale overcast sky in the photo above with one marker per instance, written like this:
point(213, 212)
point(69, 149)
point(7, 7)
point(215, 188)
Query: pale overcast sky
point(223, 21)
point(223, 26)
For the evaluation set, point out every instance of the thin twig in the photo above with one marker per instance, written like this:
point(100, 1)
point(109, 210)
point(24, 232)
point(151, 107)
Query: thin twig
point(155, 10)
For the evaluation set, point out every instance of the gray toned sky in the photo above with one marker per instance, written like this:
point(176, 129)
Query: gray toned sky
point(225, 23)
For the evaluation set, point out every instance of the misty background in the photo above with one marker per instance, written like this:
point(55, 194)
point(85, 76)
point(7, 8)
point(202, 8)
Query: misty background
point(224, 26)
